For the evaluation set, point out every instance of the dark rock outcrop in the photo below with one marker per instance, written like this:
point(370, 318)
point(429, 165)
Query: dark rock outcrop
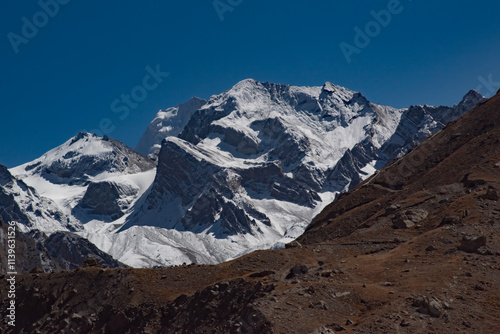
point(59, 251)
point(107, 199)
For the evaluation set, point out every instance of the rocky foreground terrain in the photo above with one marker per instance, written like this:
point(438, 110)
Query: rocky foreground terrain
point(413, 249)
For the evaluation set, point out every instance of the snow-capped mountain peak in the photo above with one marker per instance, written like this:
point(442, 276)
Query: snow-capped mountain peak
point(168, 122)
point(83, 158)
point(62, 180)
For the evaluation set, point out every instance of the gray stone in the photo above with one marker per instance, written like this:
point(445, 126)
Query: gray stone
point(416, 215)
point(387, 284)
point(491, 194)
point(293, 244)
point(450, 220)
point(319, 305)
point(401, 221)
point(431, 306)
point(297, 270)
point(391, 209)
point(471, 244)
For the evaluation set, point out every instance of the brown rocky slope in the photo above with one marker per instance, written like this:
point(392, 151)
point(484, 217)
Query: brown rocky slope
point(414, 249)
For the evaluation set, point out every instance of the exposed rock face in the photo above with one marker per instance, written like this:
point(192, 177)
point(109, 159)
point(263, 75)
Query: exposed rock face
point(416, 124)
point(9, 208)
point(108, 198)
point(59, 251)
point(70, 251)
point(273, 135)
point(209, 193)
point(21, 203)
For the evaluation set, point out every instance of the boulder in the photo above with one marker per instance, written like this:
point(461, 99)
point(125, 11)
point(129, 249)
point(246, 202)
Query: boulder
point(319, 305)
point(416, 215)
point(401, 223)
point(431, 306)
point(471, 244)
point(297, 270)
point(409, 218)
point(450, 220)
point(491, 194)
point(293, 244)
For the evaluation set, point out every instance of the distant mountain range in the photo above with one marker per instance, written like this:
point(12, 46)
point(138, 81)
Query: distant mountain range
point(412, 249)
point(212, 180)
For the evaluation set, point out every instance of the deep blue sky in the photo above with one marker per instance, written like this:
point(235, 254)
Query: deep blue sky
point(66, 77)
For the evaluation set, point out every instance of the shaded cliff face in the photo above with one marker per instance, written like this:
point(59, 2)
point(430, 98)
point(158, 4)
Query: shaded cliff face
point(108, 198)
point(59, 251)
point(212, 195)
